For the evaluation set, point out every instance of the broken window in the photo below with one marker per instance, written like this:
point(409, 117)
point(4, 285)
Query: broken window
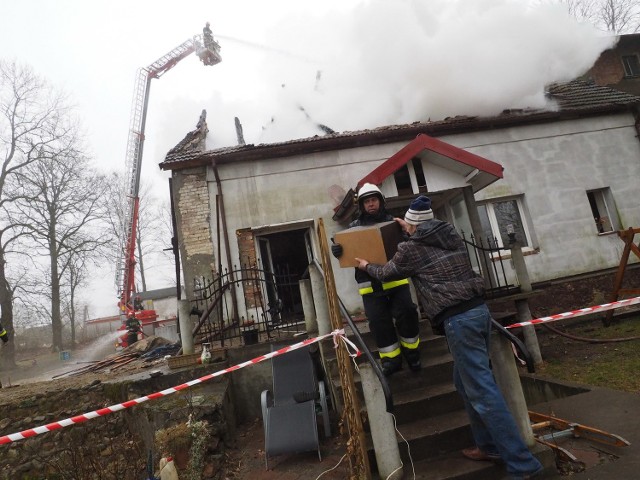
point(501, 217)
point(403, 181)
point(409, 176)
point(603, 210)
point(631, 65)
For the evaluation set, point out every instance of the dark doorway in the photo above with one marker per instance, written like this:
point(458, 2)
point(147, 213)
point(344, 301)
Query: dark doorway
point(284, 256)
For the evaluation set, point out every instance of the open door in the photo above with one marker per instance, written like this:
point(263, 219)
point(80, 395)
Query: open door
point(285, 257)
point(264, 245)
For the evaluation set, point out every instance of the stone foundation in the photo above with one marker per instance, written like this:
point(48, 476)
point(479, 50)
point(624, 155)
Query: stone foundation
point(117, 446)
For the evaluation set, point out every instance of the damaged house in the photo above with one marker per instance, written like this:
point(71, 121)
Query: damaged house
point(563, 179)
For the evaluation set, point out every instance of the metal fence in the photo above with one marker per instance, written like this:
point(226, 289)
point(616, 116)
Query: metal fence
point(487, 259)
point(272, 306)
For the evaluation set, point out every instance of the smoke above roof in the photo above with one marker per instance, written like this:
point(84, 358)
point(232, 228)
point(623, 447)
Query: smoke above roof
point(385, 62)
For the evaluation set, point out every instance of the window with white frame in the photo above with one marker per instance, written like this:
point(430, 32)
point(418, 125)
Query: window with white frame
point(603, 210)
point(503, 216)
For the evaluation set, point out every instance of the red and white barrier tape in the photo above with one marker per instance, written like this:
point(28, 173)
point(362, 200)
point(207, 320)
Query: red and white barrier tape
point(577, 313)
point(32, 432)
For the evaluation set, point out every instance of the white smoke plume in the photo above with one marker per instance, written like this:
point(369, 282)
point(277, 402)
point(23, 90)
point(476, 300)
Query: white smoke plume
point(385, 62)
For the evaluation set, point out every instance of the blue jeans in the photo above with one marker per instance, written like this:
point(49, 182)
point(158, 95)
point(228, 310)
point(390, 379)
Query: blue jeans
point(493, 427)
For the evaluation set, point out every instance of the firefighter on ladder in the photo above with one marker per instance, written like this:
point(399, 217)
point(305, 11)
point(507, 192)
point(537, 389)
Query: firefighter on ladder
point(388, 301)
point(4, 336)
point(207, 35)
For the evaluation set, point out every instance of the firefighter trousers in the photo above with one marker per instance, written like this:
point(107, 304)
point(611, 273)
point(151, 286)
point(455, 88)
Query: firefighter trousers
point(381, 311)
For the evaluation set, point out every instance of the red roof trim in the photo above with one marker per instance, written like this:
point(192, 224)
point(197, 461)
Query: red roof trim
point(425, 142)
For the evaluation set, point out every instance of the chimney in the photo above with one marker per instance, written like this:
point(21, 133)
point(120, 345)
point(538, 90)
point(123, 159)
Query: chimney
point(239, 131)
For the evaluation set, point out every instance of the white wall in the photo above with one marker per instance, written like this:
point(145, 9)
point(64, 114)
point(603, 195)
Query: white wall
point(553, 165)
point(166, 307)
point(96, 330)
point(295, 188)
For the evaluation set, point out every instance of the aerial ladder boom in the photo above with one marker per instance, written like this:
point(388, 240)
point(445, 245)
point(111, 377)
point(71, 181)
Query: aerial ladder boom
point(208, 50)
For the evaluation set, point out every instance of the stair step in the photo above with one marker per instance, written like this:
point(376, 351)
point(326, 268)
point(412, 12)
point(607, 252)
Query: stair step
point(433, 426)
point(430, 400)
point(432, 437)
point(436, 368)
point(430, 347)
point(425, 333)
point(428, 343)
point(452, 466)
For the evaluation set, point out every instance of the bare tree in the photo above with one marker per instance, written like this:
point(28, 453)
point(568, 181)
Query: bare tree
point(620, 16)
point(32, 119)
point(150, 227)
point(63, 216)
point(154, 235)
point(76, 277)
point(616, 16)
point(583, 10)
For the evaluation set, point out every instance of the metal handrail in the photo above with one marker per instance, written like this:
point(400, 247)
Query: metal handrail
point(489, 263)
point(386, 390)
point(528, 359)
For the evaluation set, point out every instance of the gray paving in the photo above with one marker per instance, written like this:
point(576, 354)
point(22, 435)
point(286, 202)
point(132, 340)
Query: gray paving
point(608, 410)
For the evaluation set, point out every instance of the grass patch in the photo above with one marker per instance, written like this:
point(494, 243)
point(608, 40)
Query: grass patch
point(612, 365)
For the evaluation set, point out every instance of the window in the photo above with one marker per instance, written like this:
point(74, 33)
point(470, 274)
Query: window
point(603, 210)
point(417, 168)
point(501, 217)
point(631, 65)
point(405, 175)
point(403, 181)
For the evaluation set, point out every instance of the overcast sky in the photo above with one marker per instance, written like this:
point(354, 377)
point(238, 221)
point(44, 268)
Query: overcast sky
point(351, 64)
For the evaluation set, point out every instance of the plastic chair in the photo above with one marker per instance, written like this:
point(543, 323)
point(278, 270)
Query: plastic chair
point(289, 413)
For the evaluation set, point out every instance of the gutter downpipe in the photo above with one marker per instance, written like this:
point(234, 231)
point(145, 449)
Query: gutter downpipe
point(227, 249)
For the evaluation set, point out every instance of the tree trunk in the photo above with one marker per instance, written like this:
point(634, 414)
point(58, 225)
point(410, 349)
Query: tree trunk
point(72, 310)
point(56, 322)
point(8, 350)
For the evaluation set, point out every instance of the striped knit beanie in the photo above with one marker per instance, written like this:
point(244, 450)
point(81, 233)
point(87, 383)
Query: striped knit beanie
point(419, 211)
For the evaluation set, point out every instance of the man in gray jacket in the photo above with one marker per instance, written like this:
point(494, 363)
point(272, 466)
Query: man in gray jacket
point(451, 294)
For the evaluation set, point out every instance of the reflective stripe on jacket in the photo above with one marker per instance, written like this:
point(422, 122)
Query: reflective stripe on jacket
point(366, 287)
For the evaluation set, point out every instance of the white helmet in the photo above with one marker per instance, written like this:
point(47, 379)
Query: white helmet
point(368, 190)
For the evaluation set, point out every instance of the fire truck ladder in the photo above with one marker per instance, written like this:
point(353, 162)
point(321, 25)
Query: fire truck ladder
point(209, 55)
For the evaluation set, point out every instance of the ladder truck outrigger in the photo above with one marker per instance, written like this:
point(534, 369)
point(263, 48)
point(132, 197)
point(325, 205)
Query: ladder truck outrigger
point(208, 50)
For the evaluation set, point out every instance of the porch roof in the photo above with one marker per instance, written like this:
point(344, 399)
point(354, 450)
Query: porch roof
point(476, 170)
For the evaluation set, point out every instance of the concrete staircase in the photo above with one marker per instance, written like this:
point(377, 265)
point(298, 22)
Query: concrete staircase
point(430, 415)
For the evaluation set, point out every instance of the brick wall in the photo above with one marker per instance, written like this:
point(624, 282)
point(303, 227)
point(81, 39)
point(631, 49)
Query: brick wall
point(608, 70)
point(197, 249)
point(248, 258)
point(193, 212)
point(194, 208)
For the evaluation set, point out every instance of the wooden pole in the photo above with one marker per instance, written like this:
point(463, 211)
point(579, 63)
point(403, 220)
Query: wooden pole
point(356, 446)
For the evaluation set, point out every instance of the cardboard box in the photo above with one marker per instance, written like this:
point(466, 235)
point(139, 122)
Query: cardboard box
point(375, 243)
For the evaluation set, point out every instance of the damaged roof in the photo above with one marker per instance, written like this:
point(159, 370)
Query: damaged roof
point(578, 98)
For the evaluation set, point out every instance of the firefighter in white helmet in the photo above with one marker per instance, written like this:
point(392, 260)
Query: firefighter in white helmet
point(388, 301)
